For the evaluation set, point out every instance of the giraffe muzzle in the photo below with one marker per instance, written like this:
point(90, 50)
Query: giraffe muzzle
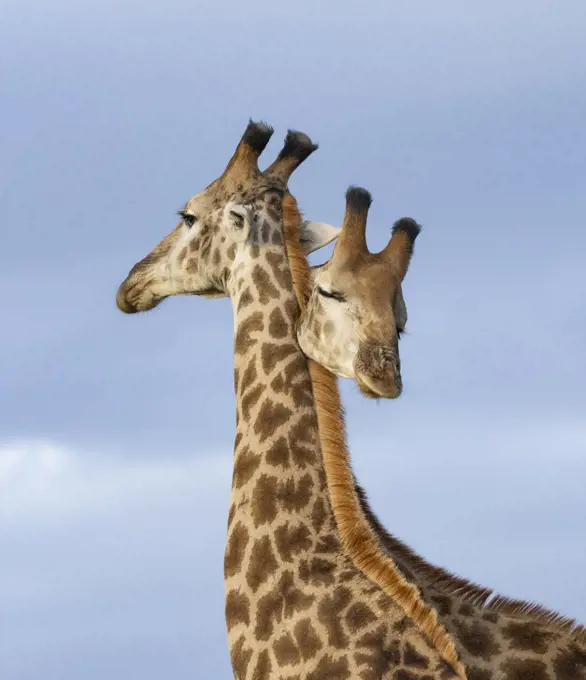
point(378, 371)
point(123, 303)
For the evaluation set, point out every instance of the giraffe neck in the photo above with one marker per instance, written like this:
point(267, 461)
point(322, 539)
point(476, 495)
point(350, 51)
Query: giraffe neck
point(277, 464)
point(294, 599)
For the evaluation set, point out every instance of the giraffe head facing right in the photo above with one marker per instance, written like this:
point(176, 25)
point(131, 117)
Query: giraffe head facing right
point(356, 311)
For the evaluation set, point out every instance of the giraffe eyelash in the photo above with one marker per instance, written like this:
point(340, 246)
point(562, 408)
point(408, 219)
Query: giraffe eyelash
point(188, 218)
point(330, 294)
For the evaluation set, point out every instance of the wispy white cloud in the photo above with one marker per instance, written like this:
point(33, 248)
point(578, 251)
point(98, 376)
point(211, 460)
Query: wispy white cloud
point(44, 483)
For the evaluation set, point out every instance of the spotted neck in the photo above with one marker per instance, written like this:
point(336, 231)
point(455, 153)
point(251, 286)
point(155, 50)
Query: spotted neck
point(294, 600)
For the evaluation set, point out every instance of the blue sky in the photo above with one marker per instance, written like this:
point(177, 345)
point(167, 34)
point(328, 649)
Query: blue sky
point(116, 432)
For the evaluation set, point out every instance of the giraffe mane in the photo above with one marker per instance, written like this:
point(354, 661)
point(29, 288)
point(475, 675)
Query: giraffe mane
point(357, 536)
point(466, 590)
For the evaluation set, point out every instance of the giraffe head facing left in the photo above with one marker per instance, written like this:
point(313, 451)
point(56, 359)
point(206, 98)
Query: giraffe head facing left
point(228, 221)
point(356, 311)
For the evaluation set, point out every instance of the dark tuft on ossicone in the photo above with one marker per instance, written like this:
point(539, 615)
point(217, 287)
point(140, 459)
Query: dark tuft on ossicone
point(257, 135)
point(409, 227)
point(358, 199)
point(297, 145)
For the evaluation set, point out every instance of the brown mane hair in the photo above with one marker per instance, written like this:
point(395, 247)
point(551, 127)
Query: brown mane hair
point(358, 538)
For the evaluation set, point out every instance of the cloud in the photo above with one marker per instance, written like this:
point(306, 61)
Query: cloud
point(111, 562)
point(43, 483)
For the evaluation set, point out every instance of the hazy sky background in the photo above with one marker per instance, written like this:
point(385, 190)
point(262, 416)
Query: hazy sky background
point(116, 433)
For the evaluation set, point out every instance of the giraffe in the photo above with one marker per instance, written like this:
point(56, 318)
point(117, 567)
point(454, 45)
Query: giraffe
point(496, 636)
point(296, 604)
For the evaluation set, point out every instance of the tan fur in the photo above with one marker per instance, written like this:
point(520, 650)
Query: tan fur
point(356, 534)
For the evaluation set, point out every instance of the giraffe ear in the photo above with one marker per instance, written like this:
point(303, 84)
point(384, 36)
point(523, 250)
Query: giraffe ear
point(316, 235)
point(400, 310)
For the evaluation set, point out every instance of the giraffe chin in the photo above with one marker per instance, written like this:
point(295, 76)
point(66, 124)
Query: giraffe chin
point(376, 389)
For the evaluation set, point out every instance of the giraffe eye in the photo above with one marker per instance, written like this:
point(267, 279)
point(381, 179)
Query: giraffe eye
point(330, 294)
point(238, 218)
point(188, 219)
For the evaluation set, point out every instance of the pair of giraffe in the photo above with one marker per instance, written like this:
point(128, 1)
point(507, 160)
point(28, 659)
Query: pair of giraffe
point(316, 588)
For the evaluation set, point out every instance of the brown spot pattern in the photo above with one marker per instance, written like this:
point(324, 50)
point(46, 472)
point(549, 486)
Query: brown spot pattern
point(294, 600)
point(243, 340)
point(263, 667)
point(301, 396)
point(466, 609)
point(358, 616)
point(329, 668)
point(265, 231)
point(244, 300)
point(237, 609)
point(477, 639)
point(305, 429)
point(328, 544)
point(307, 639)
point(281, 274)
point(278, 383)
point(278, 326)
point(317, 572)
point(297, 367)
point(235, 550)
point(411, 657)
point(405, 675)
point(250, 400)
point(318, 514)
point(380, 657)
point(271, 355)
point(264, 500)
point(292, 540)
point(262, 563)
point(527, 636)
point(231, 514)
point(286, 651)
point(270, 418)
point(329, 613)
point(443, 604)
point(278, 453)
point(302, 455)
point(295, 496)
point(245, 466)
point(265, 287)
point(248, 377)
point(525, 669)
point(475, 673)
point(268, 612)
point(240, 657)
point(570, 664)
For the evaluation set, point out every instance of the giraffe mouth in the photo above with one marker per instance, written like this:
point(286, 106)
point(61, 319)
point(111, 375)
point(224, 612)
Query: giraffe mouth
point(375, 389)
